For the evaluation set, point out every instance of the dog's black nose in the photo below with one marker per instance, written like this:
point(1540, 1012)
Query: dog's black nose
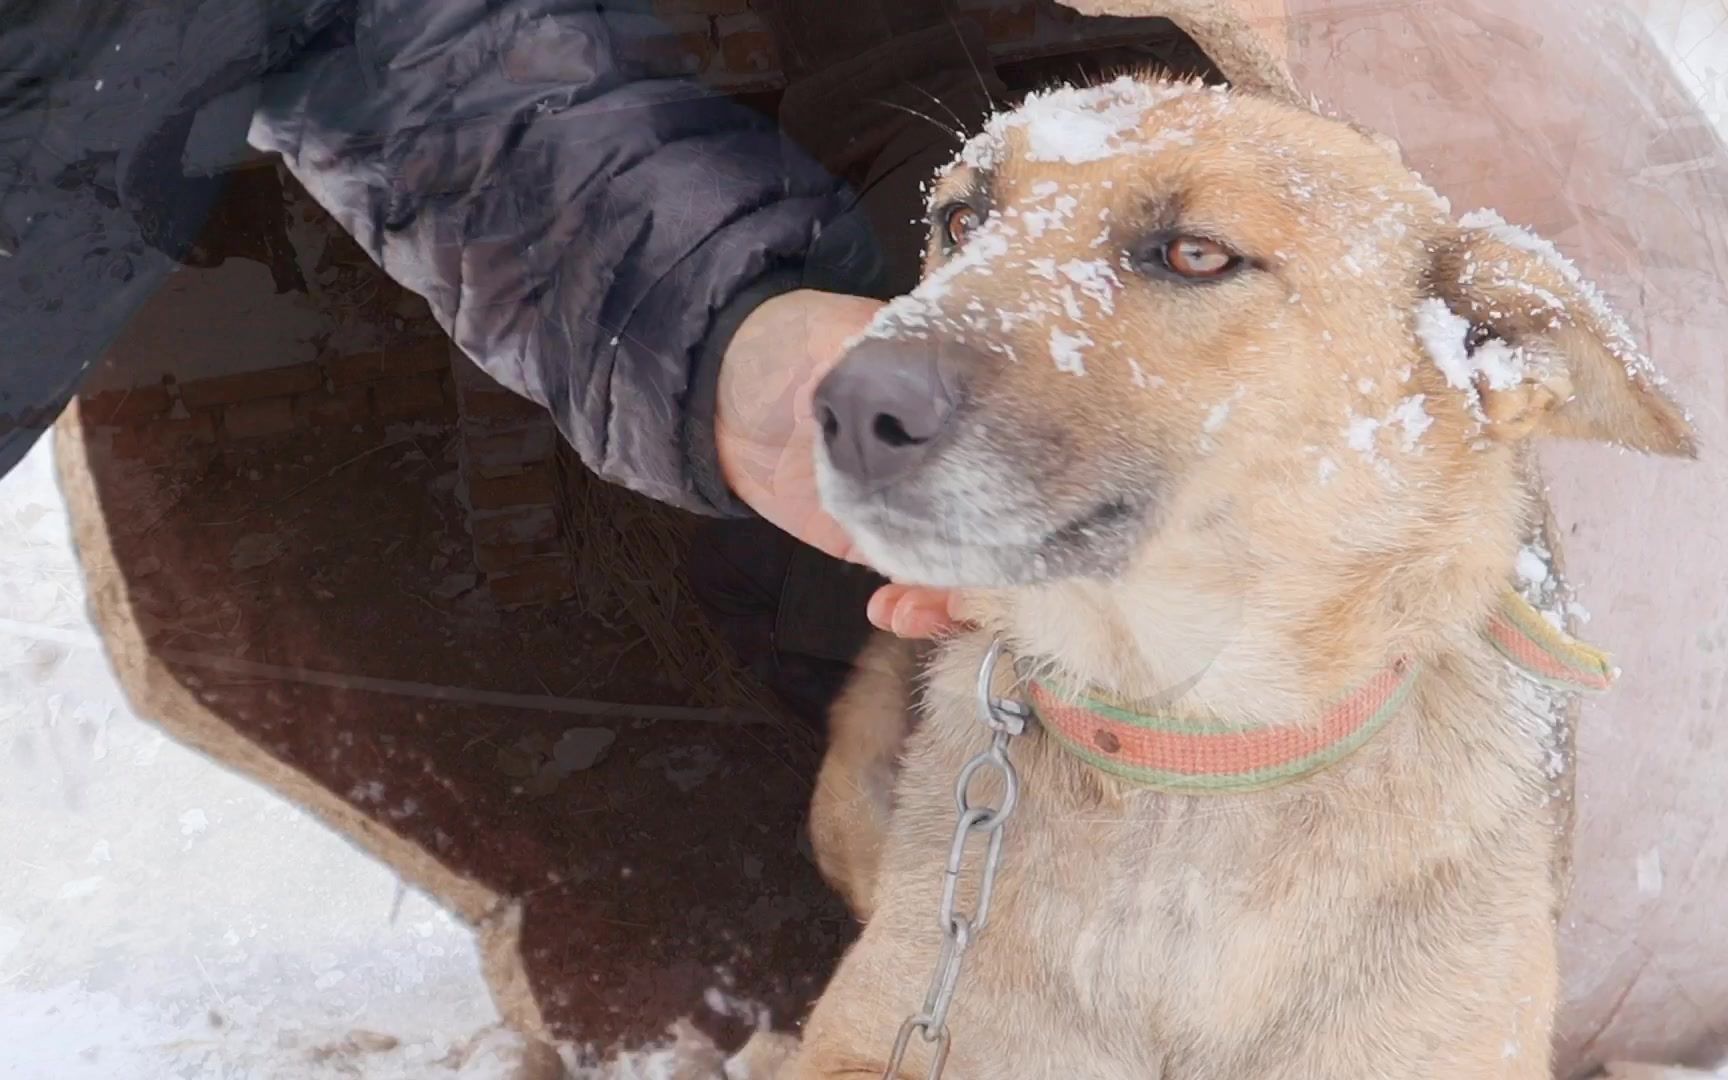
point(884, 405)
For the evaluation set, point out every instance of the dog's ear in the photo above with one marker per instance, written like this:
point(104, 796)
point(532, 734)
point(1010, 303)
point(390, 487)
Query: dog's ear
point(1511, 322)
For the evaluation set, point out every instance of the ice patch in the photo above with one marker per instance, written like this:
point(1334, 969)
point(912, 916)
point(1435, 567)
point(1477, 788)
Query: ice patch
point(1041, 219)
point(1075, 125)
point(193, 822)
point(1220, 412)
point(1650, 873)
point(1530, 567)
point(1413, 418)
point(1443, 333)
point(730, 1005)
point(1360, 434)
point(80, 887)
point(912, 315)
point(1095, 279)
point(1502, 366)
point(1067, 350)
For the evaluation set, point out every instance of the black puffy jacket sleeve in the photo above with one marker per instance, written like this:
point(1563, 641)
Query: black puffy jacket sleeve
point(588, 235)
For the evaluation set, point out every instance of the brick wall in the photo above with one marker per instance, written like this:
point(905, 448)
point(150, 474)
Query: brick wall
point(509, 462)
point(160, 422)
point(508, 447)
point(727, 45)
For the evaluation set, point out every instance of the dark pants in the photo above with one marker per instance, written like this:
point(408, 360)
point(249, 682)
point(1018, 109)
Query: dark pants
point(859, 72)
point(792, 615)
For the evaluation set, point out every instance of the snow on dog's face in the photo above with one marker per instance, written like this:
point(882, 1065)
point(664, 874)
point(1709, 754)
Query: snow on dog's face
point(1146, 302)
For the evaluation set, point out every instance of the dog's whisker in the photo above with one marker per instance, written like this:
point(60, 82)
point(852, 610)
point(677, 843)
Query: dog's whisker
point(909, 111)
point(959, 124)
point(982, 85)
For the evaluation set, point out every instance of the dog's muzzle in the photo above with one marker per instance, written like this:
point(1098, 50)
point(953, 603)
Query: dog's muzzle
point(886, 406)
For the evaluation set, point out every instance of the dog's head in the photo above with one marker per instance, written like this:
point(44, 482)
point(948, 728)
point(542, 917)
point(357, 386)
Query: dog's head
point(1145, 302)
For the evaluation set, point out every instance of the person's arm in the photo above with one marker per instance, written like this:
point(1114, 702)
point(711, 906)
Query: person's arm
point(590, 236)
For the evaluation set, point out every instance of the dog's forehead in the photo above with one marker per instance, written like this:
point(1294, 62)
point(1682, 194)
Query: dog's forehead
point(1098, 166)
point(1134, 137)
point(1076, 125)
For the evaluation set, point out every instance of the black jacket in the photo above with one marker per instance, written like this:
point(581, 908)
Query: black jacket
point(590, 235)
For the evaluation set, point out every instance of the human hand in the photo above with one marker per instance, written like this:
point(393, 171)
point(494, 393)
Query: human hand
point(766, 434)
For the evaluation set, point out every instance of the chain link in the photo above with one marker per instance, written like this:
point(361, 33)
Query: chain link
point(1005, 719)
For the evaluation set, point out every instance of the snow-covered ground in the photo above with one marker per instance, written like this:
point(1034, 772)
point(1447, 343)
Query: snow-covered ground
point(161, 917)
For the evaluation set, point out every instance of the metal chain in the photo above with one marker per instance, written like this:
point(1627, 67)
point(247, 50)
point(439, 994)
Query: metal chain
point(1005, 719)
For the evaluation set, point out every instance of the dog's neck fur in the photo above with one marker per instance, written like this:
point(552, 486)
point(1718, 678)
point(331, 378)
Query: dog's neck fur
point(1209, 621)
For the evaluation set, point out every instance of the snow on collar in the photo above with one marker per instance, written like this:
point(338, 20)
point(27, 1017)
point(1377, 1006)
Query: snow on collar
point(1194, 756)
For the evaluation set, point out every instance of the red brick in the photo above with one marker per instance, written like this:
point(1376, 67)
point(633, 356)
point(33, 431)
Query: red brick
point(675, 8)
point(535, 485)
point(113, 407)
point(426, 354)
point(1067, 16)
point(544, 579)
point(485, 427)
point(749, 52)
point(1008, 25)
point(196, 427)
point(251, 386)
point(335, 408)
point(517, 525)
point(496, 403)
point(414, 358)
point(671, 54)
point(468, 373)
point(139, 444)
point(165, 440)
point(413, 396)
point(257, 419)
point(491, 557)
point(499, 455)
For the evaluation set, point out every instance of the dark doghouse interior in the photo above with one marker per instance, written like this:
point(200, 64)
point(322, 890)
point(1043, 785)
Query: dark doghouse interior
point(332, 521)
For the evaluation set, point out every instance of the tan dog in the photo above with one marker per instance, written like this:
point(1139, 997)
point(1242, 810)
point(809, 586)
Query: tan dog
point(1222, 418)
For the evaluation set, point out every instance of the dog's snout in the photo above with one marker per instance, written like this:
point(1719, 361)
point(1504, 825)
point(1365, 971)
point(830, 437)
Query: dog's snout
point(886, 403)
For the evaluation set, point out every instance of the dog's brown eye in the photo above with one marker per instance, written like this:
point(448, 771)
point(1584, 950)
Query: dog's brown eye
point(958, 221)
point(1197, 257)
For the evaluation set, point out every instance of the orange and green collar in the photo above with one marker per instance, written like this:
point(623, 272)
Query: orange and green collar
point(1194, 756)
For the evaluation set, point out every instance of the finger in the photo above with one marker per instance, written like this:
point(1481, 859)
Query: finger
point(882, 604)
point(958, 609)
point(920, 623)
point(911, 612)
